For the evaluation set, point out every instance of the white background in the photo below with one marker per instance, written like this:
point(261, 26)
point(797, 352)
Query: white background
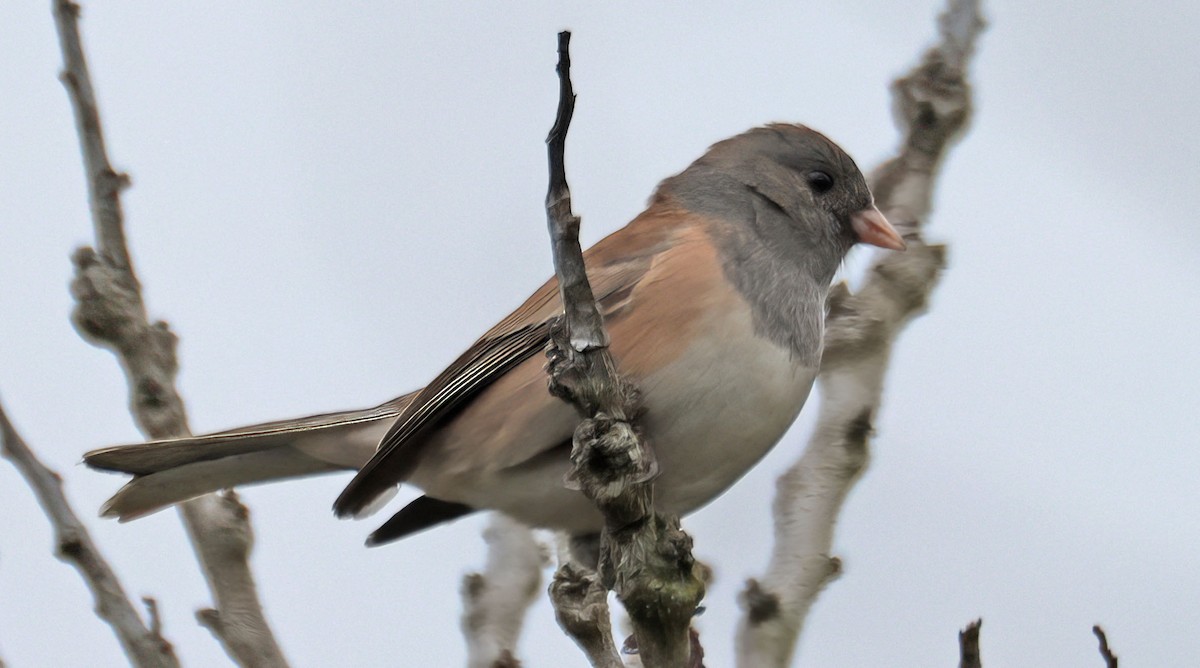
point(332, 199)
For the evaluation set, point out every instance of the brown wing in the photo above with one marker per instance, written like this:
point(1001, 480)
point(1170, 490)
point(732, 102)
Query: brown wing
point(616, 264)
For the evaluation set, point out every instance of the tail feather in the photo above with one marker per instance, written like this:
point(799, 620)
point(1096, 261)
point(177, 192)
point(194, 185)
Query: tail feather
point(422, 513)
point(145, 458)
point(175, 470)
point(147, 494)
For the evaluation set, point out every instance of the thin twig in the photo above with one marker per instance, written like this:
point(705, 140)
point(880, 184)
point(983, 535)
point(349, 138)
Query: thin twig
point(144, 646)
point(152, 614)
point(968, 645)
point(583, 320)
point(647, 557)
point(1110, 659)
point(111, 313)
point(932, 105)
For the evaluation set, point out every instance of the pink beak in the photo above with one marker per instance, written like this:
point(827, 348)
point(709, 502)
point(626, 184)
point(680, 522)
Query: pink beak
point(873, 228)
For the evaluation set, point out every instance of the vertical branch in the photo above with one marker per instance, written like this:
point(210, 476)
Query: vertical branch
point(496, 600)
point(145, 647)
point(111, 313)
point(932, 106)
point(646, 557)
point(1110, 659)
point(968, 646)
point(583, 321)
point(104, 184)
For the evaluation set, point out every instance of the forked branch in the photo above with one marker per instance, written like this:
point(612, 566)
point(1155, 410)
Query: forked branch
point(111, 313)
point(645, 557)
point(145, 647)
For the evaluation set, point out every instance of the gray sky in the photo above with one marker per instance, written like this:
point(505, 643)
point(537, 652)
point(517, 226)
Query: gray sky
point(332, 199)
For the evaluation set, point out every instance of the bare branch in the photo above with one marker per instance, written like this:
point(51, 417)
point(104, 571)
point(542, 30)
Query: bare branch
point(220, 531)
point(968, 645)
point(1110, 659)
point(932, 106)
point(104, 184)
point(960, 27)
point(144, 646)
point(496, 600)
point(584, 323)
point(581, 608)
point(110, 313)
point(646, 557)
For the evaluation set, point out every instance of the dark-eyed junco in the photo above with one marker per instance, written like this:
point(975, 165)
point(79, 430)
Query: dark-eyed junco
point(714, 298)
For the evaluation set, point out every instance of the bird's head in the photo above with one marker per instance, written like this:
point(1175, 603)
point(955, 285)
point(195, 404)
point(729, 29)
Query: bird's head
point(797, 172)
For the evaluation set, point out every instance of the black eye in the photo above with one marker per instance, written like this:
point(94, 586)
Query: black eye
point(820, 182)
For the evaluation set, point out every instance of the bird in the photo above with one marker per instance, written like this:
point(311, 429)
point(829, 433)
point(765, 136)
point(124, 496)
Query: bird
point(715, 301)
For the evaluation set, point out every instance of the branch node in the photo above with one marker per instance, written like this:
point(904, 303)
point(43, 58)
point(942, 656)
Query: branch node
point(210, 618)
point(581, 608)
point(760, 605)
point(858, 430)
point(506, 660)
point(70, 546)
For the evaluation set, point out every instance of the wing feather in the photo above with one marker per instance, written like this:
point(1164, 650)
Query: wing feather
point(614, 269)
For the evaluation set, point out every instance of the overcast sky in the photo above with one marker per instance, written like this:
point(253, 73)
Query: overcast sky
point(331, 200)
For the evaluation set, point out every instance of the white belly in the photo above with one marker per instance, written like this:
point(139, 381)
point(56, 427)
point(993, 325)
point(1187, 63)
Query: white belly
point(718, 409)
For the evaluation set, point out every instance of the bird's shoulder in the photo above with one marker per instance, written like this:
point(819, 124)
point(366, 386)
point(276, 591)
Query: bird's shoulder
point(616, 265)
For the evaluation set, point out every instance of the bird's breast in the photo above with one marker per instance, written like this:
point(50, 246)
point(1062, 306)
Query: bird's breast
point(719, 406)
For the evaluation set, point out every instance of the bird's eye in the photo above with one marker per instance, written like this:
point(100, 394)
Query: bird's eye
point(820, 182)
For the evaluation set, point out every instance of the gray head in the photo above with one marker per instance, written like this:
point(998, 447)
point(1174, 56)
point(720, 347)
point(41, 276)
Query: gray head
point(785, 205)
point(818, 194)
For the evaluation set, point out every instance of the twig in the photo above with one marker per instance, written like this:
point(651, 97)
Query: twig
point(932, 105)
point(581, 608)
point(968, 645)
point(495, 601)
point(111, 313)
point(144, 646)
point(152, 614)
point(1110, 659)
point(646, 557)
